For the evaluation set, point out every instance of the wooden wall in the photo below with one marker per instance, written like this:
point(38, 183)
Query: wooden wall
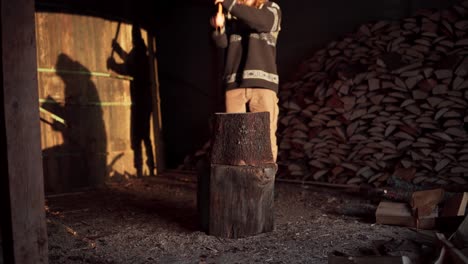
point(75, 85)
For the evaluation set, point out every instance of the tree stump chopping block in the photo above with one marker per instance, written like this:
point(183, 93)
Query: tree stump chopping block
point(242, 139)
point(241, 177)
point(241, 200)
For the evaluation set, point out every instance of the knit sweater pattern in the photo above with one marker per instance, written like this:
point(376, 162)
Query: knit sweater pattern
point(250, 37)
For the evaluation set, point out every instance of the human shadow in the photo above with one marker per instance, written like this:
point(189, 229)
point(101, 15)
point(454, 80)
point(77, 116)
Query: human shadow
point(136, 65)
point(80, 161)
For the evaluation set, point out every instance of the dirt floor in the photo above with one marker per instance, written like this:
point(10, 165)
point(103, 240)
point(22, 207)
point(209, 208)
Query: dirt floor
point(154, 220)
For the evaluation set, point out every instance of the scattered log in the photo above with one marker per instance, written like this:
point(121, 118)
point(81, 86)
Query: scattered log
point(423, 203)
point(369, 259)
point(399, 214)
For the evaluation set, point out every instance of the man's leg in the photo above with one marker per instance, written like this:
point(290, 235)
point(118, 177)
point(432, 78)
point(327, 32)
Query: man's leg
point(265, 100)
point(145, 135)
point(236, 100)
point(137, 159)
point(135, 139)
point(149, 155)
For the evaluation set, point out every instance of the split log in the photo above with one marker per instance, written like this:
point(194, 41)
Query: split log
point(389, 213)
point(450, 253)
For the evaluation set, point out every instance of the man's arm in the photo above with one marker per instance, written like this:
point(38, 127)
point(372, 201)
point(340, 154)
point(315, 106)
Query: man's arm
point(264, 19)
point(220, 38)
point(118, 49)
point(119, 68)
point(219, 22)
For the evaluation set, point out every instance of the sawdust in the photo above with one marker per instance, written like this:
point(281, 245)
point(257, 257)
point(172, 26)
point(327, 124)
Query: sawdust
point(154, 220)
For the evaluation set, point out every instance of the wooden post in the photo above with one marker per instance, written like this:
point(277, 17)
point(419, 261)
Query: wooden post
point(157, 119)
point(242, 176)
point(24, 236)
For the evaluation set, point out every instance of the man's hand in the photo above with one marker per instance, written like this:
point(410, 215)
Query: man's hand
point(110, 62)
point(115, 44)
point(220, 20)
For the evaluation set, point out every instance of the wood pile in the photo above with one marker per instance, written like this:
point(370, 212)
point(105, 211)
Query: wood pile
point(388, 100)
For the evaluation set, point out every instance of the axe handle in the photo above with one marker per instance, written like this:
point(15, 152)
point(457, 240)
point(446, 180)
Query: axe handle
point(220, 11)
point(115, 37)
point(52, 115)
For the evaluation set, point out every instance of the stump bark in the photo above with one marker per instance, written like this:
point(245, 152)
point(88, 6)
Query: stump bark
point(241, 200)
point(242, 139)
point(241, 178)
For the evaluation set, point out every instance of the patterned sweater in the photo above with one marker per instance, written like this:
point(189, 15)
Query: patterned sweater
point(250, 37)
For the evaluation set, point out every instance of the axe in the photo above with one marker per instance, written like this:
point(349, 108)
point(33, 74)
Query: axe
point(115, 38)
point(220, 11)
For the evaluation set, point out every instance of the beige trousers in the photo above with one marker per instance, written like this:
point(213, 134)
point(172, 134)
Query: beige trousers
point(258, 100)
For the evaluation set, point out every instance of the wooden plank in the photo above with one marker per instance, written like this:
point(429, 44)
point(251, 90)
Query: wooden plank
point(98, 107)
point(157, 118)
point(22, 204)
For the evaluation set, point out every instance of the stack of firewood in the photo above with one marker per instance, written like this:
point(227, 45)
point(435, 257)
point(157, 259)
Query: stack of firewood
point(388, 100)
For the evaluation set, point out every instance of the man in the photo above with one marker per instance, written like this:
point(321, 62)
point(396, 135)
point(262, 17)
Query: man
point(250, 74)
point(136, 64)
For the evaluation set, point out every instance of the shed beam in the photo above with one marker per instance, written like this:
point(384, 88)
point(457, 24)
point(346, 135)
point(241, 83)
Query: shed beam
point(24, 236)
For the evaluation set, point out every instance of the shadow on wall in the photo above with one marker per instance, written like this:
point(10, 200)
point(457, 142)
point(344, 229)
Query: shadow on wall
point(81, 160)
point(136, 64)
